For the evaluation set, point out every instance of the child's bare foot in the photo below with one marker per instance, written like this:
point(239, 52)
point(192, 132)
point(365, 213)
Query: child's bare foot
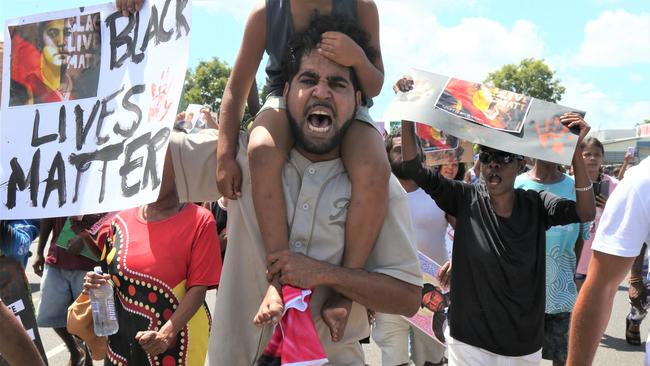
point(271, 309)
point(335, 313)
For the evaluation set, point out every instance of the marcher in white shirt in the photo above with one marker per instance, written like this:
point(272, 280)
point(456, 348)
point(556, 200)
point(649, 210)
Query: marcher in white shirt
point(624, 227)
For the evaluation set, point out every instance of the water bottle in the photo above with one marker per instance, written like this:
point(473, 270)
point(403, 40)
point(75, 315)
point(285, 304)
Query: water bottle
point(103, 306)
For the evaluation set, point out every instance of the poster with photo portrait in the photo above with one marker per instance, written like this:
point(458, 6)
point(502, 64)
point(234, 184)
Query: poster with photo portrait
point(431, 318)
point(55, 60)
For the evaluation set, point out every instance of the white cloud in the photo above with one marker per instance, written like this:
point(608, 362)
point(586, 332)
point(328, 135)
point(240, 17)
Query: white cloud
point(470, 49)
point(604, 111)
point(413, 37)
point(616, 38)
point(635, 77)
point(238, 9)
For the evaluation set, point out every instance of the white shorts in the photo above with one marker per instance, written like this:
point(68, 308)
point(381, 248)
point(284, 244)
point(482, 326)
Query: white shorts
point(392, 333)
point(463, 354)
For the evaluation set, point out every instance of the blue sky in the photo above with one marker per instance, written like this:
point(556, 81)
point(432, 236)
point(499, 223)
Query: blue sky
point(600, 49)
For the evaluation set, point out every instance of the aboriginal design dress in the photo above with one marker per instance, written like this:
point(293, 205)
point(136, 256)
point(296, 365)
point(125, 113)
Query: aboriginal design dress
point(152, 265)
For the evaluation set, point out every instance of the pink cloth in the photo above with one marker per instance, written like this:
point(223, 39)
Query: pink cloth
point(295, 341)
point(585, 254)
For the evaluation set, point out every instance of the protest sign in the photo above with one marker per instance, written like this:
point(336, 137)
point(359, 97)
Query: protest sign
point(488, 106)
point(89, 101)
point(541, 134)
point(192, 119)
point(67, 234)
point(440, 148)
point(15, 294)
point(432, 316)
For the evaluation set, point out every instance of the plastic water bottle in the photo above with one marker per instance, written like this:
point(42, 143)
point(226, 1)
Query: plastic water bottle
point(103, 306)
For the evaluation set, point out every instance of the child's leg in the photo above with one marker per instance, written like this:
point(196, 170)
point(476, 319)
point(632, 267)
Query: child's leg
point(269, 144)
point(366, 161)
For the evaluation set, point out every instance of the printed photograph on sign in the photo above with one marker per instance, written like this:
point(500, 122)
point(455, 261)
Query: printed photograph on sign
point(55, 60)
point(394, 126)
point(439, 147)
point(192, 119)
point(488, 106)
point(435, 140)
point(432, 316)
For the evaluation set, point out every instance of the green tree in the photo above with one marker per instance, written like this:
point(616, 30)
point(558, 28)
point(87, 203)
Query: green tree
point(531, 77)
point(645, 121)
point(205, 85)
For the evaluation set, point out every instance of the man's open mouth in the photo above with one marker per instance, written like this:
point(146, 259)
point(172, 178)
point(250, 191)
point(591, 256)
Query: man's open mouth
point(493, 179)
point(319, 120)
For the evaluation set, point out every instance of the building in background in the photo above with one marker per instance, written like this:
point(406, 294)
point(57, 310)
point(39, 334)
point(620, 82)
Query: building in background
point(617, 142)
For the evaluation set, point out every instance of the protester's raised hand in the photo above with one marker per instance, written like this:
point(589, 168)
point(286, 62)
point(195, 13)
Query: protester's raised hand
point(403, 85)
point(229, 178)
point(575, 120)
point(341, 49)
point(628, 157)
point(128, 7)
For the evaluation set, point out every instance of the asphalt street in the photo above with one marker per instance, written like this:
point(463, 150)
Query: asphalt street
point(613, 349)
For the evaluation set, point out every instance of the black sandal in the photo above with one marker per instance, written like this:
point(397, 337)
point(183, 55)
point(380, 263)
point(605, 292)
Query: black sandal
point(632, 336)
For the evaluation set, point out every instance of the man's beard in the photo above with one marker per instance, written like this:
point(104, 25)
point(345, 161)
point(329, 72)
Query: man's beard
point(396, 168)
point(313, 148)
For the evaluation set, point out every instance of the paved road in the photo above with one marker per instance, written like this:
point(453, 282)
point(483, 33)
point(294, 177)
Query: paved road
point(613, 349)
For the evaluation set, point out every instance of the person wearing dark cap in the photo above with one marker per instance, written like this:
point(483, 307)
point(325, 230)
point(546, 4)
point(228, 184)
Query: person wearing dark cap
point(498, 281)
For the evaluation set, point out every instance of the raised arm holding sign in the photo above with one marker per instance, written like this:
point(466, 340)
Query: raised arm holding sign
point(95, 141)
point(501, 228)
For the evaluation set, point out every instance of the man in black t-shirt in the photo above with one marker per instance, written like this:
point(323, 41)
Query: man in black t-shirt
point(498, 285)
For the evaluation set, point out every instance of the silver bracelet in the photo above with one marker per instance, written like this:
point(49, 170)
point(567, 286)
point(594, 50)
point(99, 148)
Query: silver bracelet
point(584, 189)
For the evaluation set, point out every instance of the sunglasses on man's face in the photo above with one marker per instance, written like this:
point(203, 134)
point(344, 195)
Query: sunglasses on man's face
point(485, 157)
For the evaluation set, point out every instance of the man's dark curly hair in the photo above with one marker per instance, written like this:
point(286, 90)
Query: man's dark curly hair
point(304, 42)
